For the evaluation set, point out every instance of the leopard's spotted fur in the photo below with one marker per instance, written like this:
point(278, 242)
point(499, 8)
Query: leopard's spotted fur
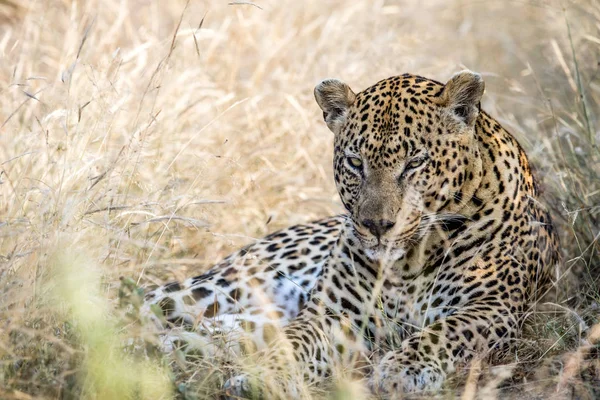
point(445, 244)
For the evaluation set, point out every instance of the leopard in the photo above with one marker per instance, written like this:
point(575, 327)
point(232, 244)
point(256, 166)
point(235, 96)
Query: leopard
point(444, 249)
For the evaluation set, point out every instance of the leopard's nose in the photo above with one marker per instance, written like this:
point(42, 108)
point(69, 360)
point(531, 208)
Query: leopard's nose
point(378, 227)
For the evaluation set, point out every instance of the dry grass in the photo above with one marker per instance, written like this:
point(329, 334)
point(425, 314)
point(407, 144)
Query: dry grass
point(144, 139)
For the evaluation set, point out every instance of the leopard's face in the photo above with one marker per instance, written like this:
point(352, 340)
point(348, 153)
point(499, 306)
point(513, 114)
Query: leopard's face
point(404, 151)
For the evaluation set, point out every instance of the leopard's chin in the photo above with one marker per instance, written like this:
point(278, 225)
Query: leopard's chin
point(384, 254)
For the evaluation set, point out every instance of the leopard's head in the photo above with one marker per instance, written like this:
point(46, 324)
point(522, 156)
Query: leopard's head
point(405, 152)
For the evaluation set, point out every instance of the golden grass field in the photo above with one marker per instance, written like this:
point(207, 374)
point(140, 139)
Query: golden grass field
point(144, 140)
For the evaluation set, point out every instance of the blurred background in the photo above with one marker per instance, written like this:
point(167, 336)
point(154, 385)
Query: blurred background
point(142, 141)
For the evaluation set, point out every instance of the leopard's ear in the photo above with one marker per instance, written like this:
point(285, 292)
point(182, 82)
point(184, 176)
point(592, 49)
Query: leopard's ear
point(462, 95)
point(334, 97)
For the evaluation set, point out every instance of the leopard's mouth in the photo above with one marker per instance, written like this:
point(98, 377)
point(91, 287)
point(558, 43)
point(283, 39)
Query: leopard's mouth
point(380, 250)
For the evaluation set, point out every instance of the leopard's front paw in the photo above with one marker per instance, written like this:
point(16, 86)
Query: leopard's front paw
point(395, 376)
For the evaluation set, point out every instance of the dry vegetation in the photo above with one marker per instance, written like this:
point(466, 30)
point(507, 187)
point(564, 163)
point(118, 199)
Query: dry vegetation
point(146, 140)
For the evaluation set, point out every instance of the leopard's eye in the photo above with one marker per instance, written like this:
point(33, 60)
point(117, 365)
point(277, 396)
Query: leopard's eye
point(355, 162)
point(415, 163)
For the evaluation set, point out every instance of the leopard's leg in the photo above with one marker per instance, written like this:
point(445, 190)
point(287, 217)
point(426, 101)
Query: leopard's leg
point(227, 335)
point(274, 275)
point(310, 351)
point(329, 337)
point(425, 358)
